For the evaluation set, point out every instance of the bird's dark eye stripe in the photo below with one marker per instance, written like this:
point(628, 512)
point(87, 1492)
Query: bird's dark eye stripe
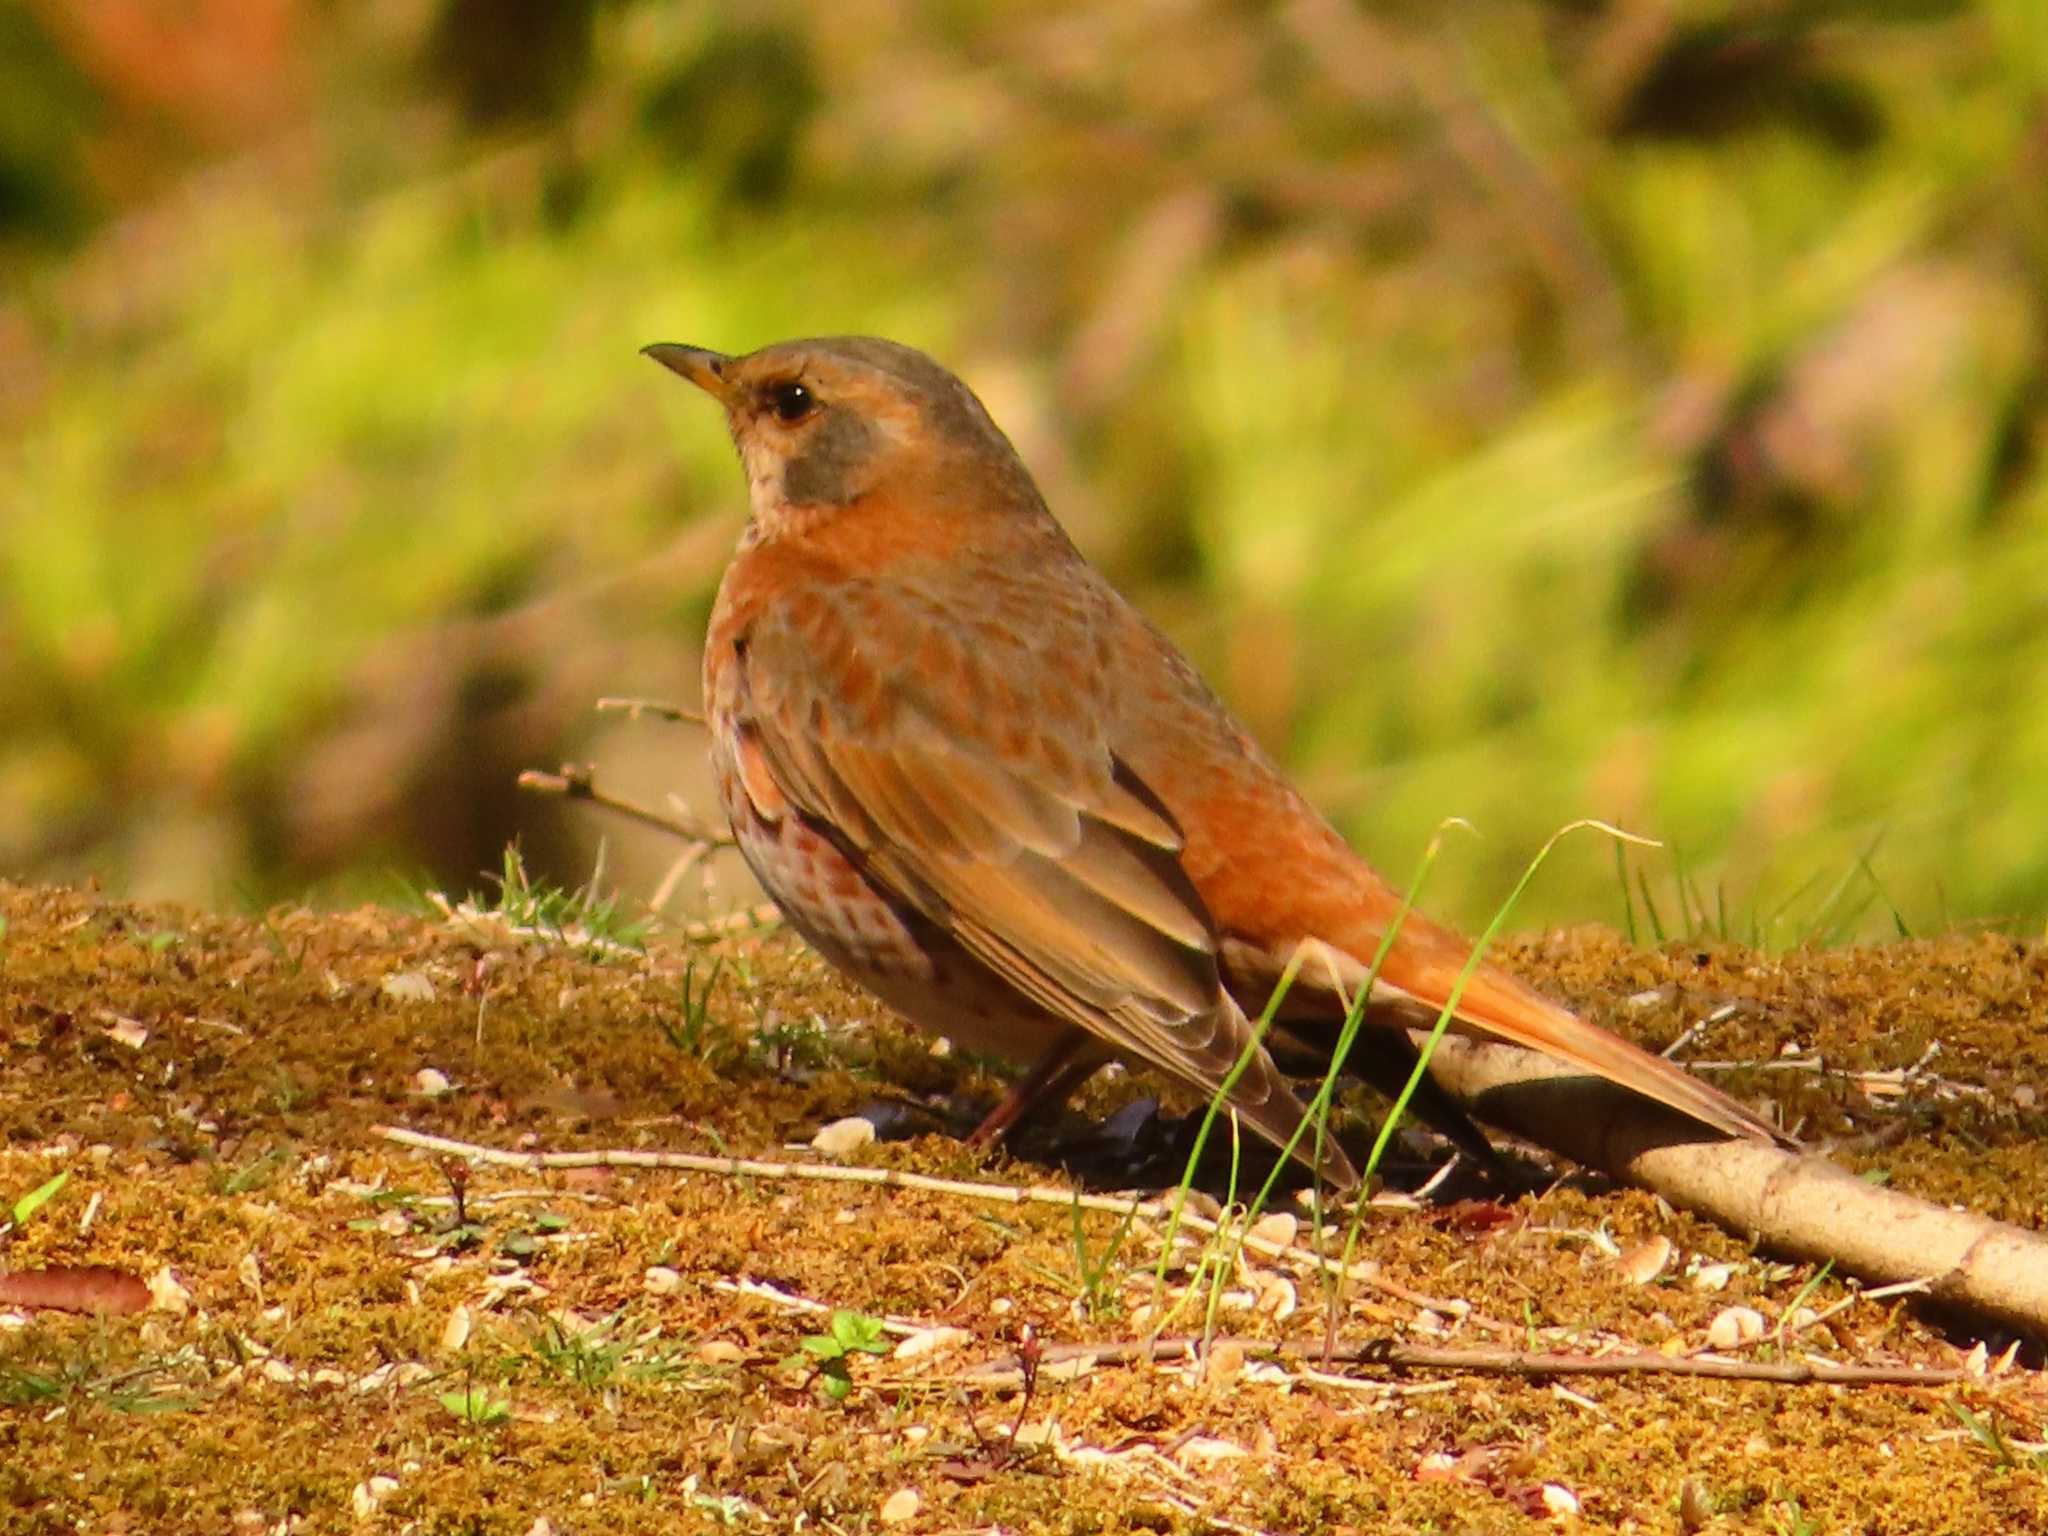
point(791, 401)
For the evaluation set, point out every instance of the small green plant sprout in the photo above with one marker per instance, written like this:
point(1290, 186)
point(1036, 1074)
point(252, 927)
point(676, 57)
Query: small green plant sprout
point(831, 1353)
point(1095, 1272)
point(690, 1032)
point(526, 1240)
point(476, 1407)
point(785, 1045)
point(584, 919)
point(251, 1176)
point(1788, 1517)
point(458, 1228)
point(591, 1356)
point(2004, 1451)
point(37, 1198)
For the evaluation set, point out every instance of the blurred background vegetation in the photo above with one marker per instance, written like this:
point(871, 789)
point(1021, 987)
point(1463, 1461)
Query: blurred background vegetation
point(1523, 410)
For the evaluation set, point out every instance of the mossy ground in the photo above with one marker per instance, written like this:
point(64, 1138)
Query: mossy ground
point(212, 1084)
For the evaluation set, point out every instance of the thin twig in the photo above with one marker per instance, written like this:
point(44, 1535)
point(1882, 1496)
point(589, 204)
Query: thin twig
point(1383, 1353)
point(1535, 1365)
point(789, 1301)
point(665, 892)
point(1367, 1274)
point(578, 781)
point(1889, 1083)
point(762, 916)
point(633, 709)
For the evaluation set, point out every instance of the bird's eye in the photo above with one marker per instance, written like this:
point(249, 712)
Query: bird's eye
point(791, 402)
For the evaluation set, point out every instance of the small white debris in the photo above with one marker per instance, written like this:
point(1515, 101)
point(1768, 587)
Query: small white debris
point(844, 1137)
point(1278, 1228)
point(1559, 1502)
point(429, 1083)
point(931, 1341)
point(660, 1280)
point(1712, 1277)
point(1275, 1296)
point(1073, 1368)
point(1645, 1261)
point(455, 1332)
point(167, 1295)
point(1695, 1505)
point(720, 1352)
point(542, 1526)
point(1735, 1326)
point(125, 1031)
point(370, 1493)
point(901, 1507)
point(517, 1283)
point(394, 1373)
point(1224, 1363)
point(1205, 1450)
point(1198, 1202)
point(408, 987)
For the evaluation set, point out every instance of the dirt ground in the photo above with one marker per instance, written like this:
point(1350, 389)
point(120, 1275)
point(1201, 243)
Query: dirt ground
point(331, 1345)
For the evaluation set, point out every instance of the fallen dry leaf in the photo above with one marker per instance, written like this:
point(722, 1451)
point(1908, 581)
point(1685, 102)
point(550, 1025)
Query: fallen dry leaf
point(75, 1288)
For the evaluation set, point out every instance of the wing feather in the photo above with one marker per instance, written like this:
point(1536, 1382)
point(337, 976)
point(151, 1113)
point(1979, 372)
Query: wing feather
point(1040, 852)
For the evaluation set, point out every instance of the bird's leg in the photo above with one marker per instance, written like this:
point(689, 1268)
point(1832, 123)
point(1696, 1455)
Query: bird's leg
point(1063, 1068)
point(1386, 1059)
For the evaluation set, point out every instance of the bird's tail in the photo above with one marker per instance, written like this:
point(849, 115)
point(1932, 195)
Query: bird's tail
point(1497, 1004)
point(1425, 965)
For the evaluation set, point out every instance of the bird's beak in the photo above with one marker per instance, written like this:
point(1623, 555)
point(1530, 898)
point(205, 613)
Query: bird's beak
point(702, 367)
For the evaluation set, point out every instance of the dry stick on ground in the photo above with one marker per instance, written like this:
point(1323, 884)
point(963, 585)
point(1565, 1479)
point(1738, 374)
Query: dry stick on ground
point(1380, 1352)
point(1803, 1207)
point(1400, 1357)
point(1365, 1274)
point(1533, 1364)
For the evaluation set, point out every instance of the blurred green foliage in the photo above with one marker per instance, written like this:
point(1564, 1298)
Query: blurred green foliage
point(1523, 411)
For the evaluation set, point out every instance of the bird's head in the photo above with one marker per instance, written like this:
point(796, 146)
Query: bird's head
point(823, 425)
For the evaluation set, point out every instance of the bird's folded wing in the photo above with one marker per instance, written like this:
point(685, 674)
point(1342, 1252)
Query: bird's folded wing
point(1068, 884)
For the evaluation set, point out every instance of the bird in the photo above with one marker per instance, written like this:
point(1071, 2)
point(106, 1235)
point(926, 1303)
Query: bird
point(986, 788)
